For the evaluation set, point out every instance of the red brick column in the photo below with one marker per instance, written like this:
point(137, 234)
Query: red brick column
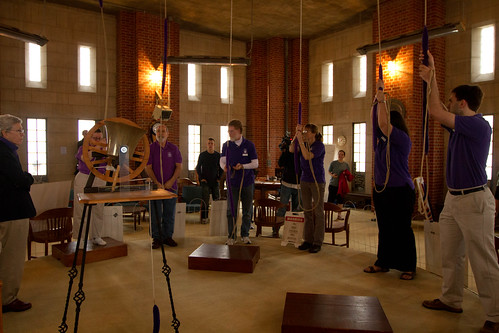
point(140, 45)
point(265, 99)
point(402, 17)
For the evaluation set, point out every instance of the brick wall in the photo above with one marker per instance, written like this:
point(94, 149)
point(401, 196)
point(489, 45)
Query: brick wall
point(401, 17)
point(266, 99)
point(140, 45)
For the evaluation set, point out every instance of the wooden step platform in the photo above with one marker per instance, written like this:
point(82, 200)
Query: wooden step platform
point(333, 313)
point(226, 258)
point(113, 249)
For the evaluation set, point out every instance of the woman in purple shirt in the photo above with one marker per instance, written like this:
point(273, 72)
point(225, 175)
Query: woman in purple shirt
point(394, 194)
point(313, 183)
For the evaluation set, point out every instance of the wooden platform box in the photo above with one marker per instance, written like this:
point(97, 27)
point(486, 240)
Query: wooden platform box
point(113, 249)
point(333, 313)
point(226, 258)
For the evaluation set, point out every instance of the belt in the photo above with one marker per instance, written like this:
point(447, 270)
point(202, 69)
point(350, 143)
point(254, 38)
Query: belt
point(471, 190)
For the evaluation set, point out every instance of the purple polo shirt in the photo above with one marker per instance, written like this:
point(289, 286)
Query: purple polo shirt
point(170, 156)
point(400, 147)
point(467, 152)
point(242, 154)
point(82, 167)
point(317, 148)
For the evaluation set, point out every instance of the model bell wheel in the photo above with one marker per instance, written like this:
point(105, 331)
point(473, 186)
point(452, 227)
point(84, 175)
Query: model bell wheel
point(120, 133)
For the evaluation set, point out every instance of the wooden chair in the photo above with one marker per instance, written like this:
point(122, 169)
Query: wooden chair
point(334, 226)
point(180, 185)
point(53, 225)
point(192, 195)
point(265, 214)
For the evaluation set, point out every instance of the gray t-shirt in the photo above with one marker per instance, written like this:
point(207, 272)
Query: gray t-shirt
point(337, 168)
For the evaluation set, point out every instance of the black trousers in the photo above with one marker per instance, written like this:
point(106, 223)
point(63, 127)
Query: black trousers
point(396, 243)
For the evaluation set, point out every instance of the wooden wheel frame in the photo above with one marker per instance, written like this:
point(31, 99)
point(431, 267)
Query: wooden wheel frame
point(90, 145)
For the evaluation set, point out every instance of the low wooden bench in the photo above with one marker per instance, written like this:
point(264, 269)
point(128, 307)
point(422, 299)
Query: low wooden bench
point(333, 313)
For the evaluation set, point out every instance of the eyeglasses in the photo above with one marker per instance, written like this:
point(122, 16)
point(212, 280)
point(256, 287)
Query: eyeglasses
point(305, 132)
point(96, 139)
point(19, 131)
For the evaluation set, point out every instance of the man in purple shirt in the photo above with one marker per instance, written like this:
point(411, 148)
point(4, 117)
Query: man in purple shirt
point(242, 160)
point(164, 167)
point(467, 220)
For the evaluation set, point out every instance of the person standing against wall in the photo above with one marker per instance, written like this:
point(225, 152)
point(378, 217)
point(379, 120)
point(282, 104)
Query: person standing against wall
point(16, 207)
point(335, 169)
point(208, 173)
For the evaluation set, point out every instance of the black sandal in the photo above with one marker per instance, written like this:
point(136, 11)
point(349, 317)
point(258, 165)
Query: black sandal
point(373, 269)
point(407, 276)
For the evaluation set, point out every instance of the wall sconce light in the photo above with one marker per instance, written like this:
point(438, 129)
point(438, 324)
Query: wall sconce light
point(393, 67)
point(156, 77)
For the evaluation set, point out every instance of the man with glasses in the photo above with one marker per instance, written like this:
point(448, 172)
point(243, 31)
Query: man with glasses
point(16, 207)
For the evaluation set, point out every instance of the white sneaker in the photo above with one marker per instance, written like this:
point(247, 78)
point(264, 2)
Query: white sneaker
point(246, 240)
point(230, 241)
point(99, 241)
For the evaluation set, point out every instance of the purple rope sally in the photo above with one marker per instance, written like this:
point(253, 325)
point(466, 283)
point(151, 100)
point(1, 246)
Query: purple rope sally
point(100, 3)
point(425, 62)
point(296, 154)
point(165, 50)
point(375, 110)
point(229, 187)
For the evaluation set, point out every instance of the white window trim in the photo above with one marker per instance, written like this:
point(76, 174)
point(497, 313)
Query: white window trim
point(227, 85)
point(92, 86)
point(327, 74)
point(194, 88)
point(43, 67)
point(193, 148)
point(477, 56)
point(328, 137)
point(359, 72)
point(224, 135)
point(357, 142)
point(34, 166)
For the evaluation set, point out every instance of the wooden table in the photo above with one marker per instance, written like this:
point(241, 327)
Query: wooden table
point(266, 186)
point(89, 200)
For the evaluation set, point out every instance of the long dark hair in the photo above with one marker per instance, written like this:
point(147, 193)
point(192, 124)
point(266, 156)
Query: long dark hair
point(398, 121)
point(314, 129)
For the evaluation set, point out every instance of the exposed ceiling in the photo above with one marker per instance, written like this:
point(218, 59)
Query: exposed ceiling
point(261, 19)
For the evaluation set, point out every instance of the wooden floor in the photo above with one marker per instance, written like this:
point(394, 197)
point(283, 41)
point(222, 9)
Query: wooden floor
point(120, 295)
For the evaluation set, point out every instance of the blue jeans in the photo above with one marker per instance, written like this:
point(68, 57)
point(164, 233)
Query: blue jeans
point(163, 212)
point(215, 193)
point(247, 202)
point(286, 193)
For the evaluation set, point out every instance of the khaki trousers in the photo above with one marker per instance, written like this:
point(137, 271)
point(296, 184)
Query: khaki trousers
point(13, 240)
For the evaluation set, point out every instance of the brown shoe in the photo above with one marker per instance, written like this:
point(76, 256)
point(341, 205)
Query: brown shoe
point(490, 327)
point(16, 306)
point(437, 304)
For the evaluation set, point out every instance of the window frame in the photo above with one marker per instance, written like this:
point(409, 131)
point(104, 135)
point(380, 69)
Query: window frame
point(92, 71)
point(42, 64)
point(193, 155)
point(477, 56)
point(327, 77)
point(33, 140)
